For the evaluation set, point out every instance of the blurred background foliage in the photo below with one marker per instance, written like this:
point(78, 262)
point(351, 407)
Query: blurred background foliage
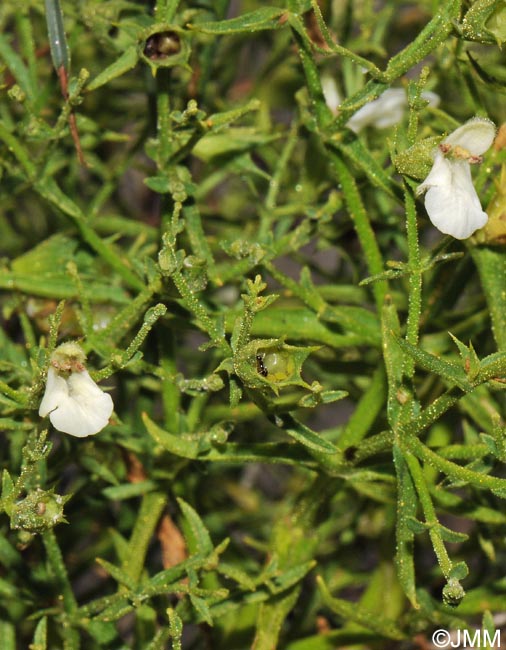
point(301, 456)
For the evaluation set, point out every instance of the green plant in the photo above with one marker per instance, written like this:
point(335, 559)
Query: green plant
point(307, 377)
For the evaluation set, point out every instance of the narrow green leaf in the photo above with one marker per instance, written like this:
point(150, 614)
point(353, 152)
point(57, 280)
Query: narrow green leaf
point(176, 445)
point(237, 574)
point(49, 189)
point(418, 527)
point(459, 571)
point(126, 62)
point(116, 611)
point(350, 612)
point(272, 615)
point(448, 370)
point(128, 490)
point(196, 534)
point(16, 66)
point(7, 635)
point(40, 635)
point(151, 508)
point(290, 577)
point(118, 574)
point(357, 152)
point(202, 608)
point(406, 513)
point(56, 33)
point(7, 486)
point(264, 18)
point(303, 434)
point(452, 536)
point(367, 410)
point(492, 367)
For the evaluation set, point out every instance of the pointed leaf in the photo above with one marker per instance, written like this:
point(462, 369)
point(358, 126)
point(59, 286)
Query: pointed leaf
point(40, 635)
point(126, 62)
point(174, 444)
point(195, 532)
point(406, 513)
point(201, 608)
point(351, 612)
point(264, 18)
point(304, 434)
point(118, 574)
point(445, 369)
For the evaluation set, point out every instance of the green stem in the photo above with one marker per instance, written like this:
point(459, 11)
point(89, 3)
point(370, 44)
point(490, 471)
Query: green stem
point(430, 414)
point(362, 225)
point(55, 559)
point(190, 301)
point(430, 514)
point(431, 36)
point(149, 514)
point(163, 124)
point(415, 280)
point(313, 81)
point(171, 396)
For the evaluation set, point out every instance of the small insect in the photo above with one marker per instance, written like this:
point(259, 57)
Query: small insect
point(162, 45)
point(261, 369)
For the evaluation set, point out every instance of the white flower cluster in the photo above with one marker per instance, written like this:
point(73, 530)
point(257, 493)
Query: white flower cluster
point(450, 197)
point(73, 401)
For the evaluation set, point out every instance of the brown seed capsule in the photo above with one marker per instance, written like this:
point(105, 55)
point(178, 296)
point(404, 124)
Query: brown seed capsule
point(162, 45)
point(261, 369)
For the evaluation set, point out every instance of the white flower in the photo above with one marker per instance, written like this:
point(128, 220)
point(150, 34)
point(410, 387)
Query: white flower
point(331, 93)
point(74, 402)
point(387, 110)
point(451, 200)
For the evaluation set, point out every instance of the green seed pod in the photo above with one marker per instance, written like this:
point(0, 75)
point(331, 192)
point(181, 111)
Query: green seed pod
point(453, 593)
point(417, 161)
point(279, 364)
point(485, 22)
point(496, 24)
point(271, 364)
point(39, 511)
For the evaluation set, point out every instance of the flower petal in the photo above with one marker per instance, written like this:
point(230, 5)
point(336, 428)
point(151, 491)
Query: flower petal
point(453, 207)
point(432, 98)
point(381, 113)
point(439, 176)
point(331, 93)
point(476, 136)
point(76, 405)
point(56, 391)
